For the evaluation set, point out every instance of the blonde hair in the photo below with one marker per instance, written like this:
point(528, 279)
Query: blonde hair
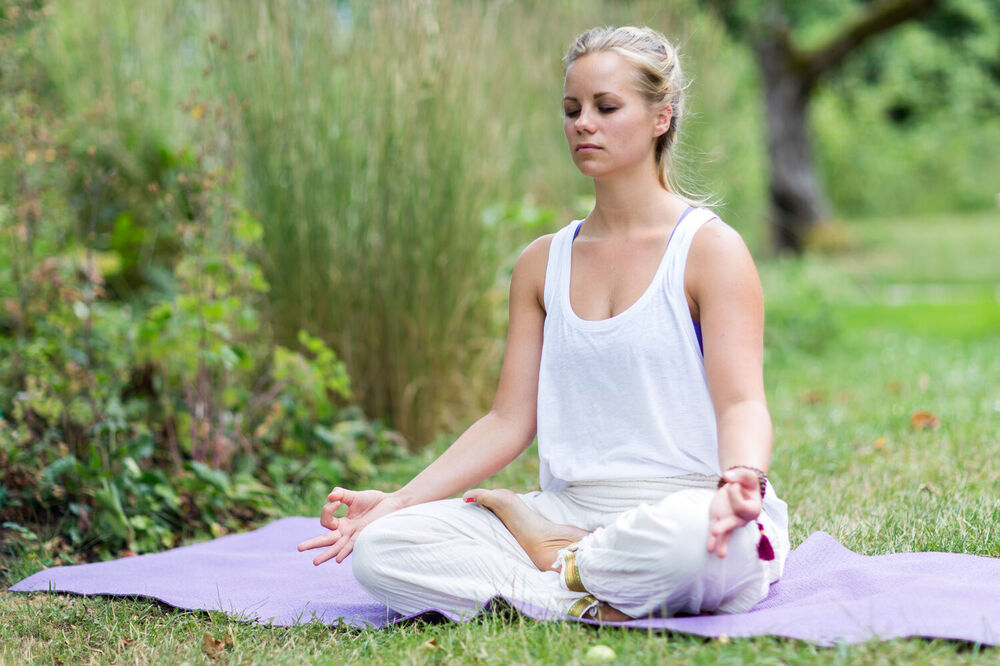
point(658, 78)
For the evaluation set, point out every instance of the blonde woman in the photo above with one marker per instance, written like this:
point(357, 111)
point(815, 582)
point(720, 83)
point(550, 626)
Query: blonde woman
point(634, 352)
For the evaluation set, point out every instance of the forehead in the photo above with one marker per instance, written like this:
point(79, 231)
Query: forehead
point(606, 71)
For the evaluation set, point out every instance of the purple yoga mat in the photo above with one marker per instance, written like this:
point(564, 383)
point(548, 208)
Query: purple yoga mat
point(828, 595)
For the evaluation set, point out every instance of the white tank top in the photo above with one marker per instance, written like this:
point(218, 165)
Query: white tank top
point(624, 397)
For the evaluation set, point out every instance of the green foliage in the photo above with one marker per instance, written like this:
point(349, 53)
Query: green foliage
point(137, 425)
point(908, 123)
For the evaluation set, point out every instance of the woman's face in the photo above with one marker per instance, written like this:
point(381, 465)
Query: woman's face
point(607, 122)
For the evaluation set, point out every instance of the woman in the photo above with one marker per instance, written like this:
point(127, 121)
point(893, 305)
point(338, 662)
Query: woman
point(634, 350)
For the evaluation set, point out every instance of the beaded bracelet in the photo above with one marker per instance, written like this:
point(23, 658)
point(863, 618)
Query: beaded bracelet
point(761, 477)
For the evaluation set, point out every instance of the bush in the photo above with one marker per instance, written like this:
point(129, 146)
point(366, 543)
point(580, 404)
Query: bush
point(126, 427)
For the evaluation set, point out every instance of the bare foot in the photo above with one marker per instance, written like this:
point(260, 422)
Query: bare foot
point(607, 613)
point(541, 538)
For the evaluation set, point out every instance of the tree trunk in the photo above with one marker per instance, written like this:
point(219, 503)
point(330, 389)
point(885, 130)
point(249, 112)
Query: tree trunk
point(797, 199)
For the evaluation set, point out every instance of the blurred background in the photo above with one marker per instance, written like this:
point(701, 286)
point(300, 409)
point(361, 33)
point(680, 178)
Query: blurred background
point(252, 250)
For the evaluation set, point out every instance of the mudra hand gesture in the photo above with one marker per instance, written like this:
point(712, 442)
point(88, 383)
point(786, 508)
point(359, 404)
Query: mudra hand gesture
point(362, 508)
point(735, 504)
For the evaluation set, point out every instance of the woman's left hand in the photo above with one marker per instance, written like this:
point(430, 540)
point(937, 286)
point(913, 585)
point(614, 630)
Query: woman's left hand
point(734, 505)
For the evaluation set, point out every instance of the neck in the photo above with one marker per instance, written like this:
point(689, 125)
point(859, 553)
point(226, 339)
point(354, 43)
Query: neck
point(631, 202)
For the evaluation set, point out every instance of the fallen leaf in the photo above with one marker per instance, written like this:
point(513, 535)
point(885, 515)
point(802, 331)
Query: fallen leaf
point(431, 645)
point(723, 638)
point(924, 420)
point(213, 646)
point(812, 396)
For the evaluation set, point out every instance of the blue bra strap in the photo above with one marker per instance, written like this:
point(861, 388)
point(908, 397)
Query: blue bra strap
point(697, 332)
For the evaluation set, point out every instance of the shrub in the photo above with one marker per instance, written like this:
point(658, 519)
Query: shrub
point(125, 427)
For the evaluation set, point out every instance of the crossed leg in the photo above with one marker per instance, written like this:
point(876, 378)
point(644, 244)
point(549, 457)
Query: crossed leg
point(540, 538)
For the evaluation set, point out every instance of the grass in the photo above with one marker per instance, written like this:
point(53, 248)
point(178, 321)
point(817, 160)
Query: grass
point(847, 460)
point(131, 631)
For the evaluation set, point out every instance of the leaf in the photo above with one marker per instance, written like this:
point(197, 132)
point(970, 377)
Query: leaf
point(112, 515)
point(924, 420)
point(212, 477)
point(213, 646)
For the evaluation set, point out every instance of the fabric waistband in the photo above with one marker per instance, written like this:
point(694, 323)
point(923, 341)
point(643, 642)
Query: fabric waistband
point(610, 494)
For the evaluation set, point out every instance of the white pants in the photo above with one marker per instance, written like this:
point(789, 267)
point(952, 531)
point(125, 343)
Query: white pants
point(646, 554)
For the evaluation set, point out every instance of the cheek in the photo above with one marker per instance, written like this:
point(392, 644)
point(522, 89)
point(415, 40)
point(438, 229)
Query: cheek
point(631, 132)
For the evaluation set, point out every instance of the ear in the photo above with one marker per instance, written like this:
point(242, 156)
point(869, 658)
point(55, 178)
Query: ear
point(663, 118)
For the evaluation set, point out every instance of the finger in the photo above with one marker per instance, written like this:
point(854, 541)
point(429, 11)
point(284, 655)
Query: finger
point(743, 502)
point(327, 518)
point(341, 495)
point(347, 549)
point(725, 524)
point(745, 479)
point(327, 539)
point(723, 544)
point(337, 549)
point(747, 511)
point(334, 550)
point(746, 505)
point(326, 555)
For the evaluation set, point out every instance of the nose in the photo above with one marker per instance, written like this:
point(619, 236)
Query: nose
point(584, 122)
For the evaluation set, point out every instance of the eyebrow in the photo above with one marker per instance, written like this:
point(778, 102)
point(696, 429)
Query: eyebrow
point(598, 95)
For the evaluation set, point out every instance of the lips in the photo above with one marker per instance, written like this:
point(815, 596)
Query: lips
point(587, 147)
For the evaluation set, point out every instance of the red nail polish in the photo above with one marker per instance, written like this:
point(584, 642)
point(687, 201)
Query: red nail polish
point(470, 499)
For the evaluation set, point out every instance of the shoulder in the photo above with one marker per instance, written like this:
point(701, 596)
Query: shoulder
point(529, 271)
point(715, 240)
point(718, 259)
point(535, 257)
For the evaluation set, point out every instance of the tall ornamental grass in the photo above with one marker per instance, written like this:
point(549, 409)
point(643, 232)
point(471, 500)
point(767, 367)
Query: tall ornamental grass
point(122, 70)
point(376, 134)
point(371, 150)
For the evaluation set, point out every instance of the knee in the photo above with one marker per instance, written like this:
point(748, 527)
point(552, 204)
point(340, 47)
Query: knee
point(686, 548)
point(368, 557)
point(679, 528)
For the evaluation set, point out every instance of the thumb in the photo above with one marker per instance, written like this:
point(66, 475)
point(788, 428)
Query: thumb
point(341, 495)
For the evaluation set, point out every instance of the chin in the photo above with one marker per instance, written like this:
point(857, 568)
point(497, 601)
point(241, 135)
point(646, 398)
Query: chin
point(588, 168)
point(591, 171)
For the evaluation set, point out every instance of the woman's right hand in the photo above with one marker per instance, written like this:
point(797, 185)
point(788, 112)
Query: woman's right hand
point(362, 508)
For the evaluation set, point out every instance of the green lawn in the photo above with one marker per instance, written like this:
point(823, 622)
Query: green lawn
point(906, 320)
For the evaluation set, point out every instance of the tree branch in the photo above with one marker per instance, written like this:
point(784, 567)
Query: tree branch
point(878, 17)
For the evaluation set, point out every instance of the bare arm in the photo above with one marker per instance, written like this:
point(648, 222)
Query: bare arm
point(725, 295)
point(487, 446)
